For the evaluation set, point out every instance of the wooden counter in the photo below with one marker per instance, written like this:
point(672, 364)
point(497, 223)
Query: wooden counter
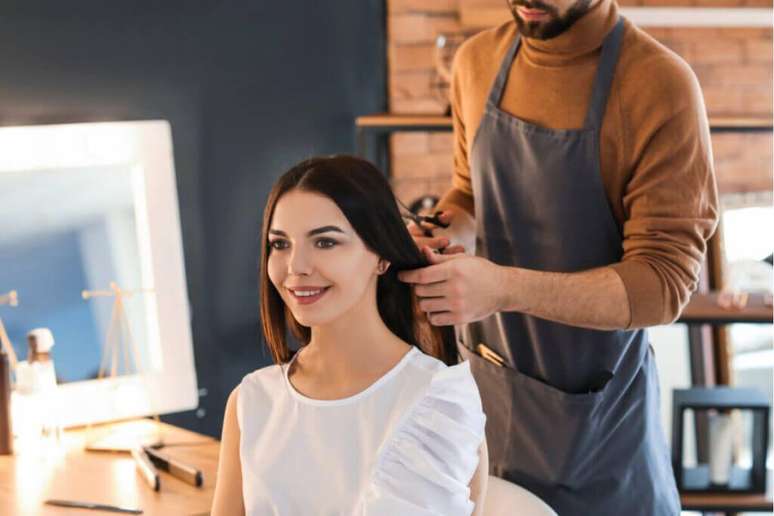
point(28, 478)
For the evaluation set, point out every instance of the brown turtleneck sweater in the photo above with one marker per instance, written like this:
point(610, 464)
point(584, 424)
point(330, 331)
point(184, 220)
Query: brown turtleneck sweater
point(655, 151)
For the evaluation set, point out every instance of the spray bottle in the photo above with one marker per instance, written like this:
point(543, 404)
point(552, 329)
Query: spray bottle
point(36, 384)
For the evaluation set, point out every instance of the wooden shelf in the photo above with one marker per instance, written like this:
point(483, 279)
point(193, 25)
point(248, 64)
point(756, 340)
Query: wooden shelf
point(405, 122)
point(721, 502)
point(479, 17)
point(703, 308)
point(736, 122)
point(431, 122)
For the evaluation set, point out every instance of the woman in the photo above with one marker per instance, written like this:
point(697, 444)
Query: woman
point(359, 420)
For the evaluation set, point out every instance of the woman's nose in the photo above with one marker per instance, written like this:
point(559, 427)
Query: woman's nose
point(299, 263)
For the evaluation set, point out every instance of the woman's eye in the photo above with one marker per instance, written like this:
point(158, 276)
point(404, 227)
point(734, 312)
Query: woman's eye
point(278, 244)
point(325, 243)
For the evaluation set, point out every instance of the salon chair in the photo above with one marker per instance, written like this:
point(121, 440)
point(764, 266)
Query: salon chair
point(504, 498)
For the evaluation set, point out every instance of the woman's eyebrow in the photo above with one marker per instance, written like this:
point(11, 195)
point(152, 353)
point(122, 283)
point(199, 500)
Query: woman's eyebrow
point(315, 231)
point(325, 229)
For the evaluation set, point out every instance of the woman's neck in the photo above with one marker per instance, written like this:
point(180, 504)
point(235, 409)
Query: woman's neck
point(349, 353)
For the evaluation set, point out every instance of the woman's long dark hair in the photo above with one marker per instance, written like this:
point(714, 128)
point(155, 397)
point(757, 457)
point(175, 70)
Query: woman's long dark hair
point(364, 196)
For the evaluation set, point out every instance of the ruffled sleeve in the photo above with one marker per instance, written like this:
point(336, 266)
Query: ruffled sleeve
point(425, 467)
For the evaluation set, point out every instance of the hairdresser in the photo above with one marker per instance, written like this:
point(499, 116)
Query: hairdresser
point(583, 175)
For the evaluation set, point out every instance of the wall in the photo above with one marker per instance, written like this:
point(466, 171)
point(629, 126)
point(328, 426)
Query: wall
point(249, 89)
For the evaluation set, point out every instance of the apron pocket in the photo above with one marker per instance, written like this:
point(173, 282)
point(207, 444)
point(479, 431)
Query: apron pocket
point(535, 432)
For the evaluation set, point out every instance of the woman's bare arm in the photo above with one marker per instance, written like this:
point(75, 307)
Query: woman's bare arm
point(479, 481)
point(228, 486)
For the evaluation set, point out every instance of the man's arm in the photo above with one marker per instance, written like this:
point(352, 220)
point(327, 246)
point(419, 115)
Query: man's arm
point(458, 289)
point(457, 203)
point(670, 202)
point(590, 299)
point(460, 195)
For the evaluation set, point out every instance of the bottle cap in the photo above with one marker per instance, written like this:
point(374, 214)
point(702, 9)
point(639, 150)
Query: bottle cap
point(40, 340)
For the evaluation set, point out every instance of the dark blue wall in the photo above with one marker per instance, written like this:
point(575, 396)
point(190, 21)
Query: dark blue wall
point(249, 87)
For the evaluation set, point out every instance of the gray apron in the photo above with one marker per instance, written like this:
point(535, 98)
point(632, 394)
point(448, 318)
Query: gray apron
point(573, 415)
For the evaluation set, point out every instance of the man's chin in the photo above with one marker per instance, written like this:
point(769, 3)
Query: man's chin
point(554, 25)
point(547, 29)
point(533, 29)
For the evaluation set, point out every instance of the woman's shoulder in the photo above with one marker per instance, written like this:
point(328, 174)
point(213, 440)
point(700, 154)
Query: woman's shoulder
point(259, 392)
point(265, 375)
point(265, 382)
point(435, 445)
point(449, 382)
point(451, 391)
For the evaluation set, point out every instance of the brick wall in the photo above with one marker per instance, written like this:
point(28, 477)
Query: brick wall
point(733, 66)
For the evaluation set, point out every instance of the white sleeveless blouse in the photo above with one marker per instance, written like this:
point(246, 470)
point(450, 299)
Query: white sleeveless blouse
point(407, 445)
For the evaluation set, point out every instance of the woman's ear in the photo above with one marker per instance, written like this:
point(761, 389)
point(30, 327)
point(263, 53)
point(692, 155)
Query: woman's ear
point(382, 267)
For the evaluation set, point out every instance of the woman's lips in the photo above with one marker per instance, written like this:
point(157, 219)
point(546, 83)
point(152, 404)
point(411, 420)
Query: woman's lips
point(531, 14)
point(307, 295)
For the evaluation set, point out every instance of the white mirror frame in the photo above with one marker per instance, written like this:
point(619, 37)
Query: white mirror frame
point(146, 149)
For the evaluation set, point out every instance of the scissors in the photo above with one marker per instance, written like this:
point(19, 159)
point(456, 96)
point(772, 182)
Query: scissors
point(433, 219)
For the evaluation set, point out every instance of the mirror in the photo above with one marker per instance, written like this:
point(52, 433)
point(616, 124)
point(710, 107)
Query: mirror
point(84, 207)
point(59, 236)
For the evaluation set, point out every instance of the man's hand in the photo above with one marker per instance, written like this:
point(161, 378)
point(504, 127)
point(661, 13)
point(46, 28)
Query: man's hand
point(459, 237)
point(438, 243)
point(457, 289)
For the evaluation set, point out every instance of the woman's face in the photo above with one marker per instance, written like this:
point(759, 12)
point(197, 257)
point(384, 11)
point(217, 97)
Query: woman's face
point(317, 262)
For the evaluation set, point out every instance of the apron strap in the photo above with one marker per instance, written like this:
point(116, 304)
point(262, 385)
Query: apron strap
point(496, 93)
point(604, 78)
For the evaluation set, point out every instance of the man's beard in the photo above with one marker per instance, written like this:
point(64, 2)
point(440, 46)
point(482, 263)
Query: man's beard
point(555, 25)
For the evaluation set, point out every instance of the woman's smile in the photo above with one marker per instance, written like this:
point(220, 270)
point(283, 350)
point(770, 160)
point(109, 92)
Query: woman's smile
point(307, 295)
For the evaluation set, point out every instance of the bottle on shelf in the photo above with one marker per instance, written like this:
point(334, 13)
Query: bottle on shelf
point(37, 414)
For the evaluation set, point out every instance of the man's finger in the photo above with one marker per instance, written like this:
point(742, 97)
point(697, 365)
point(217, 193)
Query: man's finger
point(441, 319)
point(434, 304)
point(432, 242)
point(419, 229)
point(445, 217)
point(435, 258)
point(431, 290)
point(414, 229)
point(425, 275)
point(455, 249)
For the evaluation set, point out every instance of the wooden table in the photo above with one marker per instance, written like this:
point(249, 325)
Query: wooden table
point(28, 478)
